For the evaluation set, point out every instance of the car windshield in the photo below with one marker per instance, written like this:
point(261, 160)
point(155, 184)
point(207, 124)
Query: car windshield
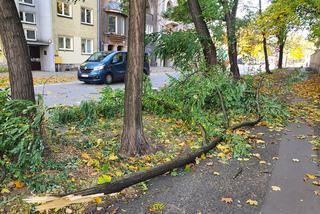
point(98, 56)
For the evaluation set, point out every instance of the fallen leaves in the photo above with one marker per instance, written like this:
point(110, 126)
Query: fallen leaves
point(252, 202)
point(112, 157)
point(155, 207)
point(310, 176)
point(316, 183)
point(295, 160)
point(19, 184)
point(275, 188)
point(216, 173)
point(227, 200)
point(104, 179)
point(4, 81)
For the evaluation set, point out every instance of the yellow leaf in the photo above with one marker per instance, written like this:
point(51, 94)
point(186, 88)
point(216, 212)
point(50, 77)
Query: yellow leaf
point(262, 162)
point(276, 188)
point(260, 141)
point(112, 157)
point(19, 184)
point(98, 200)
point(119, 173)
point(216, 173)
point(221, 155)
point(311, 177)
point(203, 156)
point(85, 155)
point(5, 190)
point(227, 200)
point(252, 202)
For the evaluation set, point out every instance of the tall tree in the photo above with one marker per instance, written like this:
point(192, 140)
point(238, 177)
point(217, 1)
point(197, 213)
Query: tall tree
point(16, 52)
point(230, 8)
point(133, 141)
point(264, 40)
point(209, 48)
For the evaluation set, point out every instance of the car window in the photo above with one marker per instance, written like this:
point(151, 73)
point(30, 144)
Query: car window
point(98, 56)
point(117, 58)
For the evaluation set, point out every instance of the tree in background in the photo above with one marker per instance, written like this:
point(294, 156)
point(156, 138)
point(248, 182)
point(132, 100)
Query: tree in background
point(264, 41)
point(280, 19)
point(16, 52)
point(133, 141)
point(209, 48)
point(230, 14)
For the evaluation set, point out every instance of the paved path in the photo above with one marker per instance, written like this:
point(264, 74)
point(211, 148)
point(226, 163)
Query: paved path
point(72, 93)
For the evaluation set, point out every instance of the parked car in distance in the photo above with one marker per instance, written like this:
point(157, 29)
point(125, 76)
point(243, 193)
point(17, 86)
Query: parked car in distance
point(107, 67)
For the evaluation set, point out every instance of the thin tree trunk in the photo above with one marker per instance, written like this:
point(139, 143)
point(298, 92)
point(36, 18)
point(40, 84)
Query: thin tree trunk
point(230, 18)
point(133, 141)
point(16, 52)
point(209, 48)
point(280, 61)
point(265, 48)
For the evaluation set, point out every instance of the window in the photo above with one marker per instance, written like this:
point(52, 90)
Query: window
point(149, 29)
point(121, 30)
point(63, 9)
point(30, 34)
point(112, 27)
point(28, 2)
point(86, 46)
point(65, 43)
point(86, 16)
point(27, 17)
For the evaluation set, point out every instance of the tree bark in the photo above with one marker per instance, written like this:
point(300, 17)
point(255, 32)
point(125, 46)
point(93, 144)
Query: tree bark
point(280, 60)
point(265, 48)
point(230, 18)
point(133, 141)
point(209, 48)
point(16, 52)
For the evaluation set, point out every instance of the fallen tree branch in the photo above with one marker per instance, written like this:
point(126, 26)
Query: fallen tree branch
point(127, 181)
point(225, 113)
point(135, 178)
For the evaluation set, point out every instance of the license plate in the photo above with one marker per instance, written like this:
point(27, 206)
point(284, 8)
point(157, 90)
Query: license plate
point(84, 75)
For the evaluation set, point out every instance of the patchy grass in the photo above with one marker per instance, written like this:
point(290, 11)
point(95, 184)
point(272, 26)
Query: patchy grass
point(82, 155)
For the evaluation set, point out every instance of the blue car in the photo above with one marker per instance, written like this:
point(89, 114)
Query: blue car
point(107, 67)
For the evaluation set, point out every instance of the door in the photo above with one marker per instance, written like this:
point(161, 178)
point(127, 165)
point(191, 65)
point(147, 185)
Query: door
point(35, 57)
point(118, 66)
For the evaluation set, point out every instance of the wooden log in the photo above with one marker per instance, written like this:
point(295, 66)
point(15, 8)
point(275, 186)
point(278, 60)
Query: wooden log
point(135, 178)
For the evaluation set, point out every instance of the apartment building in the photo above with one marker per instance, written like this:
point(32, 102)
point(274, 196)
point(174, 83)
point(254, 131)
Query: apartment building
point(75, 32)
point(113, 25)
point(35, 16)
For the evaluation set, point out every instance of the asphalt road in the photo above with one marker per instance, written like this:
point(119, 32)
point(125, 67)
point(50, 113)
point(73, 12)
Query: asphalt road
point(72, 93)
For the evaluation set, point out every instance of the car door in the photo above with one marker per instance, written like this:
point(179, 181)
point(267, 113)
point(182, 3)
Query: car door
point(118, 66)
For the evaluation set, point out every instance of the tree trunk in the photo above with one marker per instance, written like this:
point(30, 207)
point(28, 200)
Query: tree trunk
point(133, 139)
point(280, 61)
point(265, 48)
point(16, 52)
point(230, 18)
point(209, 48)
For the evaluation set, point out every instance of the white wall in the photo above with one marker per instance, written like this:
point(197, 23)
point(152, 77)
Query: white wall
point(44, 14)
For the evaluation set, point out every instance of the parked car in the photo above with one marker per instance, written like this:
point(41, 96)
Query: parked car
point(107, 67)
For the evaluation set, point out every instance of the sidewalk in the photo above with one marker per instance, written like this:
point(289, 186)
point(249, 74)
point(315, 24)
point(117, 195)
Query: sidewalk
point(296, 196)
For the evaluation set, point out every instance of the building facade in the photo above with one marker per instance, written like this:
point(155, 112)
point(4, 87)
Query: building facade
point(75, 32)
point(113, 26)
point(61, 34)
point(36, 20)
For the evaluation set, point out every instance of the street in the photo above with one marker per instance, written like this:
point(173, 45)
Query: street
point(72, 93)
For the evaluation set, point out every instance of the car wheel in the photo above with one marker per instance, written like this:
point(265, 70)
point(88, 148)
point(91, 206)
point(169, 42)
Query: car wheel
point(109, 79)
point(86, 82)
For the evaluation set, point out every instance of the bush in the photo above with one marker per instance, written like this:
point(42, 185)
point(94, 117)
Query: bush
point(21, 142)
